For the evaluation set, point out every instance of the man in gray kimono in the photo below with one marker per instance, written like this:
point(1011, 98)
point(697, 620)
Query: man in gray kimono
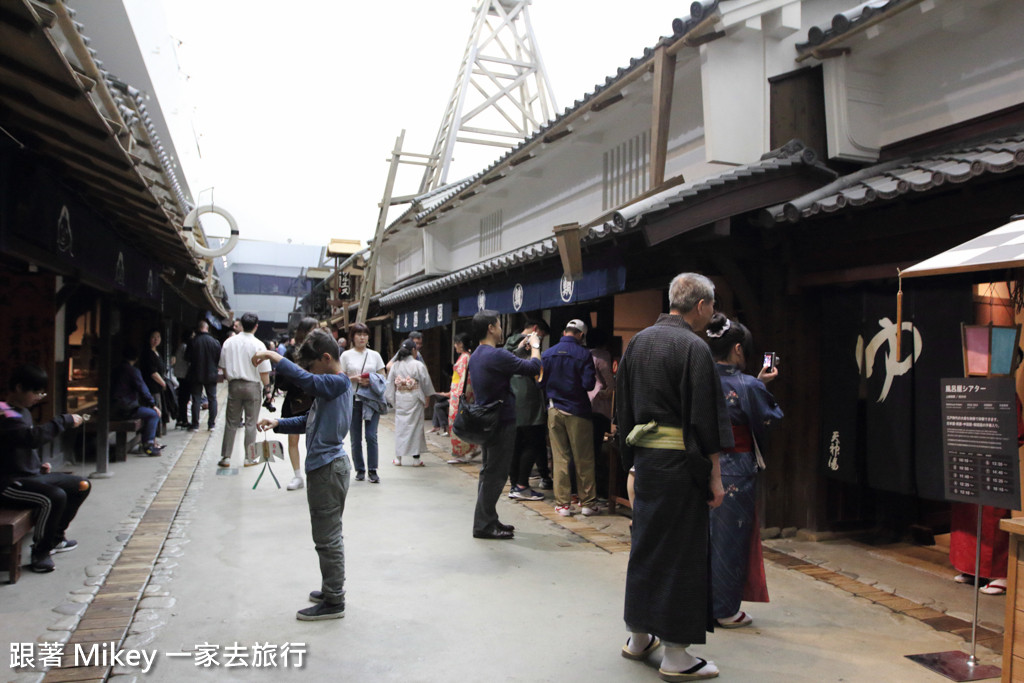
point(673, 423)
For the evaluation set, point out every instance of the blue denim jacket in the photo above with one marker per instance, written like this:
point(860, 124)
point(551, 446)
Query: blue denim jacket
point(569, 375)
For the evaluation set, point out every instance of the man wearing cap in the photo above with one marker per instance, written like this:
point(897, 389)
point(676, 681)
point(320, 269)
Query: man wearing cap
point(568, 377)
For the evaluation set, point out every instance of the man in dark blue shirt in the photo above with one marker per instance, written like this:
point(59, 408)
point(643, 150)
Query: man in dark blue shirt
point(568, 376)
point(490, 371)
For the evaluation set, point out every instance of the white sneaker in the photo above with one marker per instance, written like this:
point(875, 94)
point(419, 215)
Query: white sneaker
point(295, 484)
point(591, 511)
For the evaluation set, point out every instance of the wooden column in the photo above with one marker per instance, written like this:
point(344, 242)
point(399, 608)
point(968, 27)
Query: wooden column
point(102, 417)
point(661, 112)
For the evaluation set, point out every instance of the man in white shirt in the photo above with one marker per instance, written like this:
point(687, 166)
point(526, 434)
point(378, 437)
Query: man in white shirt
point(245, 386)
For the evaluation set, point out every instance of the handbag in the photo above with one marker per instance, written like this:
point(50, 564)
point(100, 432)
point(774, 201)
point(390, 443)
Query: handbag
point(477, 424)
point(761, 466)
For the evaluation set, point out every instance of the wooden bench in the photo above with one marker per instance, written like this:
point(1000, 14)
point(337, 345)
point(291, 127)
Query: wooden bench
point(15, 523)
point(122, 429)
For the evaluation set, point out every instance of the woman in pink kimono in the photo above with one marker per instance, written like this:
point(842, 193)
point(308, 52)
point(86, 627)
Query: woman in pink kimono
point(461, 451)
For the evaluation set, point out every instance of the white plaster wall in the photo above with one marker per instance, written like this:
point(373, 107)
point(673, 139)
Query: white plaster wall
point(734, 88)
point(972, 66)
point(937, 65)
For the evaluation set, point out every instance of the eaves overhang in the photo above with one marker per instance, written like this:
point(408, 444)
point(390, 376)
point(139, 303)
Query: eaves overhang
point(789, 171)
point(923, 172)
point(101, 146)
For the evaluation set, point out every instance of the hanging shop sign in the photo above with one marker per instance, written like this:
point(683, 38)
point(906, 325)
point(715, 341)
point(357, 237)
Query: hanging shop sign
point(545, 288)
point(423, 317)
point(979, 440)
point(48, 223)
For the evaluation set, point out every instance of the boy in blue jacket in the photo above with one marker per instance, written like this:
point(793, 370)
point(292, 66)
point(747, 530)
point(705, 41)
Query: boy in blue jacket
point(327, 468)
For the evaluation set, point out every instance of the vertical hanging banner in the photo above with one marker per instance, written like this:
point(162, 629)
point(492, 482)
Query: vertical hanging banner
point(979, 441)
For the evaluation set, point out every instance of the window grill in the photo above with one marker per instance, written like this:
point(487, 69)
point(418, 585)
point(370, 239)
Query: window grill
point(626, 170)
point(490, 234)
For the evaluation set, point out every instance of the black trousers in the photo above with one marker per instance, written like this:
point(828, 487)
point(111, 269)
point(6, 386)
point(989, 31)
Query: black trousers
point(493, 473)
point(55, 498)
point(531, 448)
point(197, 402)
point(184, 395)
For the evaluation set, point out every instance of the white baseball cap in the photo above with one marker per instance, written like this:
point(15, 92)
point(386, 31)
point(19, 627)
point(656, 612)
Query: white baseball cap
point(576, 324)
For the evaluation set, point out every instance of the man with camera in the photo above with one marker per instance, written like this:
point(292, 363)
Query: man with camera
point(246, 385)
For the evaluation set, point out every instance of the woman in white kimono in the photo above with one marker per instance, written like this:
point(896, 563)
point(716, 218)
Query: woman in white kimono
point(408, 389)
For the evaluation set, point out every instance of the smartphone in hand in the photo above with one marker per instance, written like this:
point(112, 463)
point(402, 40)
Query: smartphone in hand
point(770, 359)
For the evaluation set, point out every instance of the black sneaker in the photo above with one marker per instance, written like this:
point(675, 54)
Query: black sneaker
point(316, 596)
point(41, 563)
point(322, 610)
point(374, 479)
point(64, 546)
point(360, 475)
point(546, 484)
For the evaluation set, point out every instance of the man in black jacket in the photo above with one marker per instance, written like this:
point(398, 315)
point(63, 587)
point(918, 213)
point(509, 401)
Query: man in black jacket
point(203, 357)
point(25, 479)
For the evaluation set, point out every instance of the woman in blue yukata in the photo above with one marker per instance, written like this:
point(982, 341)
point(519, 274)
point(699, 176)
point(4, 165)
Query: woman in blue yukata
point(737, 566)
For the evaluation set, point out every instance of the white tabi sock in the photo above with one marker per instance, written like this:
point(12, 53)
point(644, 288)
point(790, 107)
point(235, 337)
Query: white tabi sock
point(677, 659)
point(638, 641)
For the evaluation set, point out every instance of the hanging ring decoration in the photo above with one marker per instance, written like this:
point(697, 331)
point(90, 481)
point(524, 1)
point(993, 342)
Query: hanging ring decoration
point(190, 235)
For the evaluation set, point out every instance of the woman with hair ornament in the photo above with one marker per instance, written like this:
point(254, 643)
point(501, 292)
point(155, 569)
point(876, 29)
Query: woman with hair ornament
point(737, 565)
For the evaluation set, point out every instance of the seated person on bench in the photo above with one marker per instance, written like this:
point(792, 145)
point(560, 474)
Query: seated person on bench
point(130, 399)
point(25, 480)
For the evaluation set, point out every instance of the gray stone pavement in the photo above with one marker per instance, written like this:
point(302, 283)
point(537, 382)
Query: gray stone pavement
point(425, 601)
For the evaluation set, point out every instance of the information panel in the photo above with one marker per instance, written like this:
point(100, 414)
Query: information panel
point(979, 439)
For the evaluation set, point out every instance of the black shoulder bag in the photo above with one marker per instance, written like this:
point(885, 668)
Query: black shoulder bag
point(474, 423)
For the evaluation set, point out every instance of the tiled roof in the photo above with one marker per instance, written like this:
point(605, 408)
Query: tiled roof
point(531, 253)
point(625, 220)
point(700, 10)
point(428, 204)
point(790, 155)
point(849, 20)
point(97, 132)
point(958, 163)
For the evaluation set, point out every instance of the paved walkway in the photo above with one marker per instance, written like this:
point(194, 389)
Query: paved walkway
point(426, 601)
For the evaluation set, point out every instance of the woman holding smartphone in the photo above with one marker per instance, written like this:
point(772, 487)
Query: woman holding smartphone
point(358, 363)
point(737, 567)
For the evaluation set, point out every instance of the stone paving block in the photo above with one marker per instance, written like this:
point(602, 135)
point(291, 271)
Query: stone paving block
point(896, 603)
point(70, 608)
point(963, 616)
point(946, 623)
point(65, 624)
point(157, 603)
point(922, 613)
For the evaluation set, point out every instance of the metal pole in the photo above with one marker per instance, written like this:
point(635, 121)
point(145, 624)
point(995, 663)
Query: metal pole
point(103, 390)
point(972, 660)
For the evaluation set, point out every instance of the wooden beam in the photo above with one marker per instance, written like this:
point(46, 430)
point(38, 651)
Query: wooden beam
point(661, 112)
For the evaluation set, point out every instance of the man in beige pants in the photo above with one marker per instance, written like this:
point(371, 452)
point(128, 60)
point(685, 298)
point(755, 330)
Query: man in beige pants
point(246, 385)
point(568, 376)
